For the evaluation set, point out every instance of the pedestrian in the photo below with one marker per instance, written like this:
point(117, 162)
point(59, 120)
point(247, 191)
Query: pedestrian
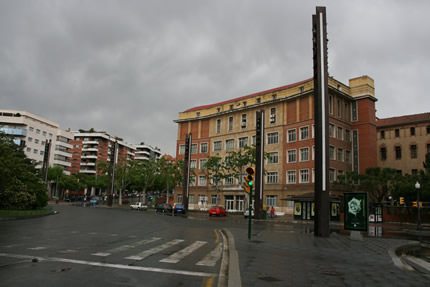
point(272, 212)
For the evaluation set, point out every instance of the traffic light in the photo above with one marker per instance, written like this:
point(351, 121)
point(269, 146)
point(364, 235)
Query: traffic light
point(402, 200)
point(250, 177)
point(246, 186)
point(414, 204)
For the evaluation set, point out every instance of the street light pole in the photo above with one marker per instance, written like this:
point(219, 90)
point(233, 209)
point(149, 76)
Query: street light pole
point(417, 187)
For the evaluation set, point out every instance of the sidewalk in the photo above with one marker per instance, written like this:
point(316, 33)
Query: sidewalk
point(289, 258)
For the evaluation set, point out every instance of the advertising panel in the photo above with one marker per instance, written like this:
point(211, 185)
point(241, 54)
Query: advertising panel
point(356, 211)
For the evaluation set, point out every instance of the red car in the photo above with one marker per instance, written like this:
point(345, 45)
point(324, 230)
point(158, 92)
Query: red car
point(217, 211)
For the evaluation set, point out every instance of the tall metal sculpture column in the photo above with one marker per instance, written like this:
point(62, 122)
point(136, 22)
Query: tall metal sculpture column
point(322, 193)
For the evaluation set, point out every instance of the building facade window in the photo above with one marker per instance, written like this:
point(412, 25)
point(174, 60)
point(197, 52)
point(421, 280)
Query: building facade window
point(229, 144)
point(230, 124)
point(397, 133)
point(272, 177)
point(179, 198)
point(273, 138)
point(292, 135)
point(182, 149)
point(291, 156)
point(330, 105)
point(291, 177)
point(348, 136)
point(332, 153)
point(382, 133)
point(218, 126)
point(194, 148)
point(304, 176)
point(331, 130)
point(304, 133)
point(202, 163)
point(339, 108)
point(340, 133)
point(339, 154)
point(348, 156)
point(273, 115)
point(243, 142)
point(354, 111)
point(413, 151)
point(272, 158)
point(332, 174)
point(193, 163)
point(217, 145)
point(229, 180)
point(202, 180)
point(383, 153)
point(191, 199)
point(243, 121)
point(203, 147)
point(398, 150)
point(192, 180)
point(272, 200)
point(304, 154)
point(412, 131)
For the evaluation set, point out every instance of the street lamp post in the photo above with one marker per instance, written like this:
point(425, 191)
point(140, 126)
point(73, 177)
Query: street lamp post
point(417, 187)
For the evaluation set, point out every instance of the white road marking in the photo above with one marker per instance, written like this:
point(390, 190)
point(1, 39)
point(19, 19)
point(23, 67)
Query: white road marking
point(117, 266)
point(176, 257)
point(68, 251)
point(212, 258)
point(37, 248)
point(126, 247)
point(154, 250)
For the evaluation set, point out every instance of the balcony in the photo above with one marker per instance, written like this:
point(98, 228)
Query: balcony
point(89, 157)
point(90, 149)
point(91, 142)
point(62, 163)
point(15, 132)
point(88, 164)
point(141, 158)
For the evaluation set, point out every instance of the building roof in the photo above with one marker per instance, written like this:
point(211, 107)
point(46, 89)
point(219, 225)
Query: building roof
point(248, 96)
point(403, 120)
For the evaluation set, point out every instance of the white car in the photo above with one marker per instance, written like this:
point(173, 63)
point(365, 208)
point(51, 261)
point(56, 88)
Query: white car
point(139, 206)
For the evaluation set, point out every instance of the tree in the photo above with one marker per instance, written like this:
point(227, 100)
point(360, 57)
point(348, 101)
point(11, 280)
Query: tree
point(19, 179)
point(215, 171)
point(379, 182)
point(170, 174)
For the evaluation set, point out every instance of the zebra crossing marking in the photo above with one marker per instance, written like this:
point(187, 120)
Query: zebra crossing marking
point(154, 250)
point(212, 257)
point(126, 247)
point(181, 254)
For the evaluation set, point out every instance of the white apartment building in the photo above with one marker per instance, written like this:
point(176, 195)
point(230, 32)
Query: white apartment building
point(146, 152)
point(32, 132)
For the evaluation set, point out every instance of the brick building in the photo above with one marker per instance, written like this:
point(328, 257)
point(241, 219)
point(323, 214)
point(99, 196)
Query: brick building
point(289, 139)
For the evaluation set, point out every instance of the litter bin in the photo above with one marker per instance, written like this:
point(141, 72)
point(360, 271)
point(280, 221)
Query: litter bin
point(264, 214)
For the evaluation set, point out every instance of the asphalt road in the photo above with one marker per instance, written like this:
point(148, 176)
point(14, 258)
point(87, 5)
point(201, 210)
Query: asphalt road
point(112, 247)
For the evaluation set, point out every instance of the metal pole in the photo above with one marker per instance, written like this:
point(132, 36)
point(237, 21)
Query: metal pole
point(250, 212)
point(419, 210)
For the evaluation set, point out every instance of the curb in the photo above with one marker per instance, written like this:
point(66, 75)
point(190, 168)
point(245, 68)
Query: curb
point(398, 262)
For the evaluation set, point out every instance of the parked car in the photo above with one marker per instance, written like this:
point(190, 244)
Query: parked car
point(217, 211)
point(246, 213)
point(139, 206)
point(179, 208)
point(164, 208)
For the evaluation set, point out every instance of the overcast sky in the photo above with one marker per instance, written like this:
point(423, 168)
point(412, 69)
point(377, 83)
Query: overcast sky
point(129, 67)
